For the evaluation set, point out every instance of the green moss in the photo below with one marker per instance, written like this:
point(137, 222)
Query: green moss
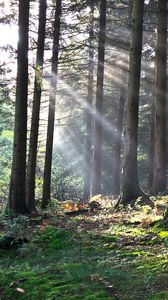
point(53, 238)
point(159, 296)
point(109, 239)
point(65, 266)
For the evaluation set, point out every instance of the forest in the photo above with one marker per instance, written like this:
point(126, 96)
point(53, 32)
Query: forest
point(83, 149)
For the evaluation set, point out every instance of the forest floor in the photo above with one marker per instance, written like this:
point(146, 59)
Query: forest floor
point(97, 255)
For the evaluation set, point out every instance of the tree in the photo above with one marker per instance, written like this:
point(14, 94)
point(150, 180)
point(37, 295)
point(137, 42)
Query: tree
point(89, 117)
point(160, 153)
point(130, 183)
point(51, 113)
point(151, 147)
point(96, 186)
point(17, 203)
point(118, 137)
point(31, 168)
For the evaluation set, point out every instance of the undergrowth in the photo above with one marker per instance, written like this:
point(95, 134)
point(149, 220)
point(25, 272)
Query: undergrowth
point(71, 262)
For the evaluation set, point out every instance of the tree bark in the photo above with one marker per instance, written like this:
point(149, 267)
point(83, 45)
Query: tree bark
point(17, 203)
point(88, 113)
point(118, 138)
point(159, 179)
point(51, 113)
point(151, 147)
point(31, 169)
point(130, 184)
point(96, 186)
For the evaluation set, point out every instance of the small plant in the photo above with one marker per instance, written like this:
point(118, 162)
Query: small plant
point(18, 226)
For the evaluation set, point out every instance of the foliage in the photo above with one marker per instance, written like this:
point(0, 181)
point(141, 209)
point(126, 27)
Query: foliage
point(6, 108)
point(17, 227)
point(6, 142)
point(39, 186)
point(66, 183)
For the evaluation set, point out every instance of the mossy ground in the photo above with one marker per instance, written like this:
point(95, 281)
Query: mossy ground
point(92, 257)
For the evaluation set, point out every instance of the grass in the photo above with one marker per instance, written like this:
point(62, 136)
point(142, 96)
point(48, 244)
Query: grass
point(74, 259)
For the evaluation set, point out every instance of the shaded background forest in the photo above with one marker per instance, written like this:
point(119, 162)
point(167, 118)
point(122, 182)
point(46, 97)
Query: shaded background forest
point(78, 49)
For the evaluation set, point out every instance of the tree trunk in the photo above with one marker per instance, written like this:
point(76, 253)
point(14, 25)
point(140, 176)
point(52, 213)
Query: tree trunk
point(151, 147)
point(88, 142)
point(31, 169)
point(130, 183)
point(159, 180)
point(118, 138)
point(51, 113)
point(96, 187)
point(17, 203)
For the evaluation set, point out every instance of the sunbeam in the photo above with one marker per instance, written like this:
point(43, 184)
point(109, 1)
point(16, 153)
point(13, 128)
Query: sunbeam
point(84, 105)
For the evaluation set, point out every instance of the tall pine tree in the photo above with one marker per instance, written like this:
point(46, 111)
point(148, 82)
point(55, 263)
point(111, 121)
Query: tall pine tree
point(160, 152)
point(89, 115)
point(52, 103)
point(130, 184)
point(96, 185)
point(17, 202)
point(31, 168)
